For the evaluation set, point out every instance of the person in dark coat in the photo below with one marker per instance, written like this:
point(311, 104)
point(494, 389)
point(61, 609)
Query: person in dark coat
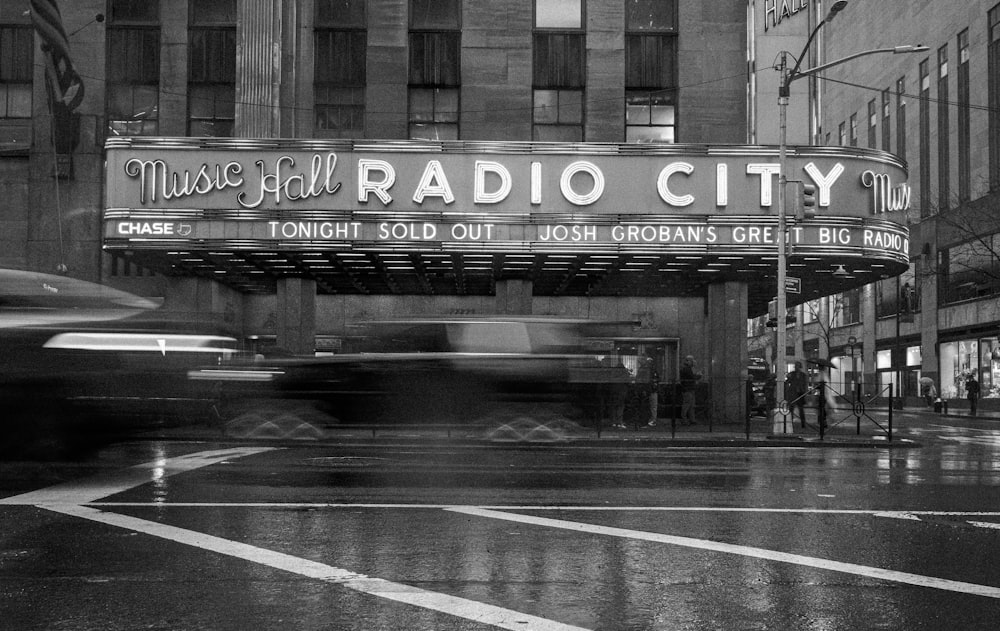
point(689, 383)
point(796, 387)
point(972, 394)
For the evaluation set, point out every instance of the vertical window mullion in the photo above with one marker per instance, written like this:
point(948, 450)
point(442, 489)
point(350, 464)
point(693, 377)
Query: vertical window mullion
point(925, 138)
point(212, 67)
point(944, 139)
point(558, 70)
point(435, 69)
point(650, 71)
point(900, 118)
point(340, 56)
point(133, 68)
point(993, 80)
point(872, 118)
point(886, 127)
point(964, 140)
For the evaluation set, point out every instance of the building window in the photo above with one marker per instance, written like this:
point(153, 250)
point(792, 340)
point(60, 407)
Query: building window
point(964, 151)
point(970, 270)
point(133, 68)
point(559, 66)
point(842, 134)
point(845, 308)
point(885, 122)
point(901, 118)
point(810, 311)
point(925, 138)
point(897, 296)
point(994, 91)
point(854, 130)
point(212, 68)
point(339, 82)
point(435, 69)
point(650, 71)
point(16, 51)
point(944, 140)
point(872, 120)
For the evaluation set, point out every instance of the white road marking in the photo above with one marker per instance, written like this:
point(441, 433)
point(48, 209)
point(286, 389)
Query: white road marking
point(399, 592)
point(985, 524)
point(916, 516)
point(96, 487)
point(760, 553)
point(899, 515)
point(566, 508)
point(78, 499)
point(71, 499)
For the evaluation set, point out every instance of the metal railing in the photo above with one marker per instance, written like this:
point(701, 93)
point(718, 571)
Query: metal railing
point(835, 407)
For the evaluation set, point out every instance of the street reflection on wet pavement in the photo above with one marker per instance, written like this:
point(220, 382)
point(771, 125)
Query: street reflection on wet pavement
point(449, 535)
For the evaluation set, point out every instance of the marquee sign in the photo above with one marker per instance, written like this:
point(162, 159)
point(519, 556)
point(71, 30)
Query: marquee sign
point(522, 196)
point(776, 11)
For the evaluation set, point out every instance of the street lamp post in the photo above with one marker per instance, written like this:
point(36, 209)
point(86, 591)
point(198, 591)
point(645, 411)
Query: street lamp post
point(787, 77)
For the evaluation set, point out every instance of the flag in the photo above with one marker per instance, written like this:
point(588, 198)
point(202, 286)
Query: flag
point(63, 84)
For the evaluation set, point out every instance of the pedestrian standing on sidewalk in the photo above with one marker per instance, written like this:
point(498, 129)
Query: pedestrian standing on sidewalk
point(796, 387)
point(972, 393)
point(928, 391)
point(689, 383)
point(825, 400)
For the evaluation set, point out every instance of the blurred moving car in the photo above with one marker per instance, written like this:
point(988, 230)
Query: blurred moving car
point(446, 370)
point(80, 360)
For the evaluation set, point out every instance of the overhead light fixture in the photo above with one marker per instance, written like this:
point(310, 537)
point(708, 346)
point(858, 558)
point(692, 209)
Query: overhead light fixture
point(840, 272)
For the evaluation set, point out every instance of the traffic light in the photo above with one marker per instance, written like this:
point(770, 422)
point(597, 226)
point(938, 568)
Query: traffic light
point(808, 200)
point(802, 199)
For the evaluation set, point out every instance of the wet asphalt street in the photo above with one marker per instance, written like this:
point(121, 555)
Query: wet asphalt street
point(384, 533)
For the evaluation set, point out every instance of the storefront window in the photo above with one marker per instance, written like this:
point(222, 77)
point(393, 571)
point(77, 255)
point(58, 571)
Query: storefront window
point(883, 359)
point(901, 381)
point(979, 357)
point(989, 374)
point(886, 376)
point(848, 371)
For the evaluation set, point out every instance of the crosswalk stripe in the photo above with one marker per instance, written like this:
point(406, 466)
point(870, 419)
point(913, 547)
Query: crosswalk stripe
point(760, 553)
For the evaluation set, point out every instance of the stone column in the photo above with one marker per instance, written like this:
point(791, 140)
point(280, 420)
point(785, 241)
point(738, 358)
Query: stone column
point(869, 353)
point(296, 315)
point(258, 71)
point(927, 280)
point(262, 26)
point(726, 366)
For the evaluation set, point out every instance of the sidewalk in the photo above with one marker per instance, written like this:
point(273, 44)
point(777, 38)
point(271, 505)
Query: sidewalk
point(524, 431)
point(843, 432)
point(763, 432)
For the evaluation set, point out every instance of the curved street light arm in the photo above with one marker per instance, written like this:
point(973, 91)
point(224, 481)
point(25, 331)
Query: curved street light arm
point(910, 48)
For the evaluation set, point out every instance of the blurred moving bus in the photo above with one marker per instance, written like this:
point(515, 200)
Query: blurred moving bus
point(450, 370)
